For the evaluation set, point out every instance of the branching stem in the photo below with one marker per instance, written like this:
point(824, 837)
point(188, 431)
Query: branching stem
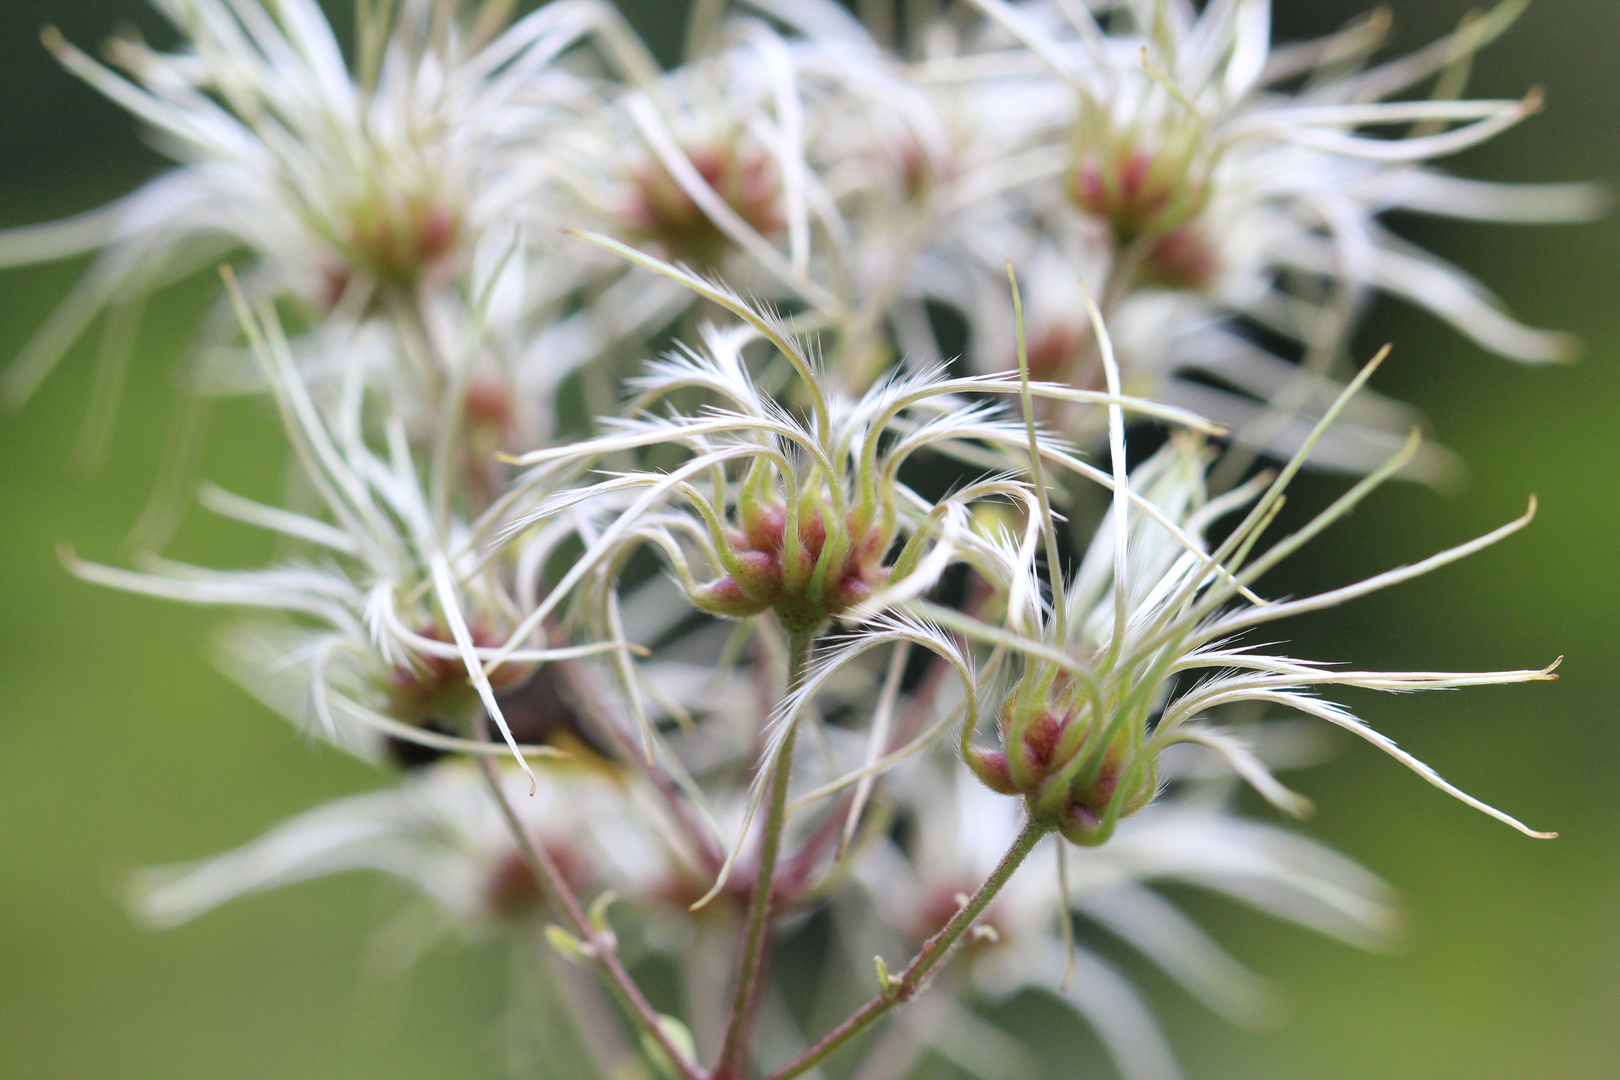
point(599, 946)
point(935, 950)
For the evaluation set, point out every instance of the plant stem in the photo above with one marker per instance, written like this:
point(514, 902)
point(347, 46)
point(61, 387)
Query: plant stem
point(599, 946)
point(934, 951)
point(586, 698)
point(755, 938)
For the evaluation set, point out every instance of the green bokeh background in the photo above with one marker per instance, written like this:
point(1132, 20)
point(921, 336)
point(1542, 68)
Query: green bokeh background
point(120, 746)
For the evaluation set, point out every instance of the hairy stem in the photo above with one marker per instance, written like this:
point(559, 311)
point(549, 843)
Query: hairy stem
point(599, 946)
point(914, 978)
point(756, 937)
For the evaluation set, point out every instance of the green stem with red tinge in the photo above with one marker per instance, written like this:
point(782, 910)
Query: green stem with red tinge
point(733, 1053)
point(598, 946)
point(902, 988)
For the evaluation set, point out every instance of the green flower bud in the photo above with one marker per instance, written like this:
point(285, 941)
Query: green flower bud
point(1182, 258)
point(1142, 179)
point(392, 239)
point(806, 570)
point(1076, 771)
point(660, 210)
point(1137, 193)
point(437, 688)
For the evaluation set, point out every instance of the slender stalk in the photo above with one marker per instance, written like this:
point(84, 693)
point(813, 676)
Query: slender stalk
point(587, 699)
point(934, 951)
point(756, 936)
point(599, 946)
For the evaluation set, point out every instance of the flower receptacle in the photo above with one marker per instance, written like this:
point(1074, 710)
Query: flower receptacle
point(794, 564)
point(1137, 193)
point(1074, 773)
point(662, 210)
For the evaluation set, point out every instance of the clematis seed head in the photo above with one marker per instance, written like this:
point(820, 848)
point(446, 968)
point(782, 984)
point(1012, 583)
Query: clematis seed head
point(1137, 192)
point(826, 572)
point(1072, 771)
point(662, 211)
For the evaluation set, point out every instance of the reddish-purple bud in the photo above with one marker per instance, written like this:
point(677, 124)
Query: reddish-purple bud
point(1077, 777)
point(439, 688)
point(395, 239)
point(762, 525)
point(991, 767)
point(388, 239)
point(1136, 192)
point(759, 577)
point(1180, 259)
point(661, 210)
point(724, 596)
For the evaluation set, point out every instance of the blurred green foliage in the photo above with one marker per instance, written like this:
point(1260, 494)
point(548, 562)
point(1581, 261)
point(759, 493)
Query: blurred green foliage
point(120, 745)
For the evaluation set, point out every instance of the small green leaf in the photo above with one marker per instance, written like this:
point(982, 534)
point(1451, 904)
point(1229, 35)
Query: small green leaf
point(679, 1036)
point(566, 944)
point(887, 984)
point(598, 914)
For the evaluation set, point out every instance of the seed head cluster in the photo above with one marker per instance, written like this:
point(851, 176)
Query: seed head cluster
point(728, 491)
